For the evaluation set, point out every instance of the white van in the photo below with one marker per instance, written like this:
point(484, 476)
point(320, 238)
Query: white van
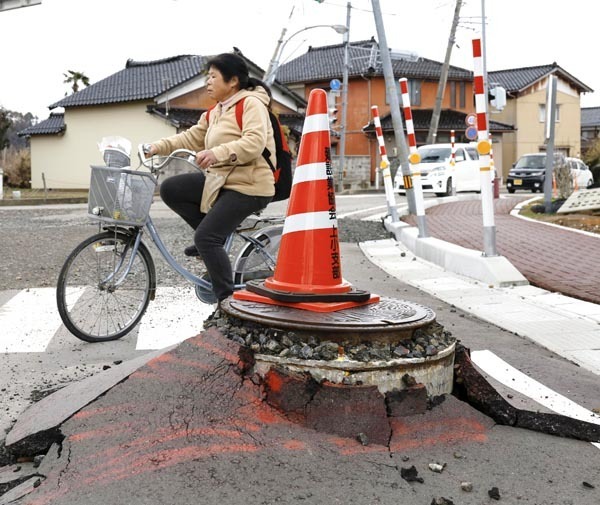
point(438, 176)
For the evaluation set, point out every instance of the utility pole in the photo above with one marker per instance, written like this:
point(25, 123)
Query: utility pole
point(392, 93)
point(342, 154)
point(435, 117)
point(273, 63)
point(549, 134)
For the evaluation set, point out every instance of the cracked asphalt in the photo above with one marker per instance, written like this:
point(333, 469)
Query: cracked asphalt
point(188, 427)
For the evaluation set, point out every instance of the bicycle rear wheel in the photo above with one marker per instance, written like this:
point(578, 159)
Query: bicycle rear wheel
point(258, 258)
point(95, 302)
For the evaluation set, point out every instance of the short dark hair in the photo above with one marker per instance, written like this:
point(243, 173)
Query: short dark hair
point(231, 65)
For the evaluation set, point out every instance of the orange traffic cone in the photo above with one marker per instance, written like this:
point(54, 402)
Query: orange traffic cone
point(308, 273)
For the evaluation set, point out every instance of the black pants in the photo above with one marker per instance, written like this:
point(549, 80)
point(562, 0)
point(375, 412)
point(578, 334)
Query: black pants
point(182, 193)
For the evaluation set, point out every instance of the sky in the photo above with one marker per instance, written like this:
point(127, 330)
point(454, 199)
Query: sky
point(97, 37)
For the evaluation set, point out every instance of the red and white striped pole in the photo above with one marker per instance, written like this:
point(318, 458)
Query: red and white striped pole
point(414, 158)
point(384, 166)
point(453, 160)
point(483, 148)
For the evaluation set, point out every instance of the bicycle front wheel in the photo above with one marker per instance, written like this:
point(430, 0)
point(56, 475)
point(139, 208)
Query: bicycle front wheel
point(98, 298)
point(256, 261)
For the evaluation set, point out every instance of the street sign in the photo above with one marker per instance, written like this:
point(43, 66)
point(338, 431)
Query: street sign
point(471, 119)
point(335, 84)
point(471, 133)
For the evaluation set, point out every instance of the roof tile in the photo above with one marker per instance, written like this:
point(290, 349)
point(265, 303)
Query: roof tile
point(137, 81)
point(51, 126)
point(327, 62)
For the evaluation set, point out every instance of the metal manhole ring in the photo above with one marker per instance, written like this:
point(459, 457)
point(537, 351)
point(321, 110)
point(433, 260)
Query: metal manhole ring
point(388, 315)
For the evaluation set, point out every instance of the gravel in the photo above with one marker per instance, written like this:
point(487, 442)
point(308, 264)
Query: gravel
point(425, 342)
point(58, 230)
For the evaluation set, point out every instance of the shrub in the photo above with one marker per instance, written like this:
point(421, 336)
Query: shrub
point(17, 168)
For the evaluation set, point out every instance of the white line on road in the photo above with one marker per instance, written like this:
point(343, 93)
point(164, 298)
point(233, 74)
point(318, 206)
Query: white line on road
point(28, 321)
point(506, 374)
point(361, 211)
point(175, 315)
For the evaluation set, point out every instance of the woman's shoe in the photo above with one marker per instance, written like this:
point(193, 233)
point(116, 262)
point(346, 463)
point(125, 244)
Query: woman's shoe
point(191, 251)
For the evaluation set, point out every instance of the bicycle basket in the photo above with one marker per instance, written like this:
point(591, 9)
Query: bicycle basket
point(120, 196)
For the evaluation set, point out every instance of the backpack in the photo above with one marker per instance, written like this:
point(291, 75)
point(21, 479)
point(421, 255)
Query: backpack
point(282, 172)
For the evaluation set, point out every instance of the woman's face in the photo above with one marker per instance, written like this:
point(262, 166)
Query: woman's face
point(217, 88)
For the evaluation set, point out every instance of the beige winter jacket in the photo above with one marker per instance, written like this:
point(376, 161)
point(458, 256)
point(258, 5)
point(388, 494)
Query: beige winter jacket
point(241, 150)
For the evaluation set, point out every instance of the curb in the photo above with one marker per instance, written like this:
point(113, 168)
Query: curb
point(41, 201)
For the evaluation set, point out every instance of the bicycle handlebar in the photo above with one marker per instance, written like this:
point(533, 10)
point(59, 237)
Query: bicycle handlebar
point(155, 166)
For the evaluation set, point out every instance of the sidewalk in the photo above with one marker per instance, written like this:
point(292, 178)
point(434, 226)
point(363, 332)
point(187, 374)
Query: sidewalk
point(559, 309)
point(550, 257)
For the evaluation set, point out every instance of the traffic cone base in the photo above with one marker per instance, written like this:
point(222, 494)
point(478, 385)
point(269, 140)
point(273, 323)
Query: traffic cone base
point(282, 295)
point(324, 307)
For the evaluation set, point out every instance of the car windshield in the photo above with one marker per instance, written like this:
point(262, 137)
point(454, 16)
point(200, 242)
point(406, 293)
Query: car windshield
point(434, 154)
point(531, 162)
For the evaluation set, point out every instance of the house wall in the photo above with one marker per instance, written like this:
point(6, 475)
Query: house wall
point(530, 134)
point(65, 160)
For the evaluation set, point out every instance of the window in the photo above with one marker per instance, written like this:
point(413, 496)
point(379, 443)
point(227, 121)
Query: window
point(462, 99)
point(458, 94)
point(472, 153)
point(542, 115)
point(459, 155)
point(414, 93)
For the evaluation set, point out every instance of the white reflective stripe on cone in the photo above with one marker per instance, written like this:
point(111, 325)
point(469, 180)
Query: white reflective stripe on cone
point(316, 123)
point(310, 172)
point(309, 221)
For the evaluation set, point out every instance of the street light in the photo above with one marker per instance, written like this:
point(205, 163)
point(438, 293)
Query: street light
point(271, 72)
point(6, 5)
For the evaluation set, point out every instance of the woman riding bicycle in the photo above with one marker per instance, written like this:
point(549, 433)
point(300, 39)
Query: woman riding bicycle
point(222, 148)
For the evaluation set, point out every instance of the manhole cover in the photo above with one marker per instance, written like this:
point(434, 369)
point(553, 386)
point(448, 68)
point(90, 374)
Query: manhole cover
point(390, 319)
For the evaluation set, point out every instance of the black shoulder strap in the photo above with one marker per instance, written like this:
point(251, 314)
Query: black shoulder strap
point(277, 135)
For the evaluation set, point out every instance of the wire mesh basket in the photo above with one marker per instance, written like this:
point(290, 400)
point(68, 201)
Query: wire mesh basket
point(120, 196)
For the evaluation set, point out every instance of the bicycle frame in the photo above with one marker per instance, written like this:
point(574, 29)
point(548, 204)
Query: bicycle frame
point(186, 274)
point(173, 263)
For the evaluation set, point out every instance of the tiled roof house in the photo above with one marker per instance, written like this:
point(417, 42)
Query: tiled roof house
point(366, 87)
point(526, 89)
point(514, 131)
point(144, 101)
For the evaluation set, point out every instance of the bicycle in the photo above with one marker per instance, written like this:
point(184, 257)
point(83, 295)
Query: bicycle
point(109, 279)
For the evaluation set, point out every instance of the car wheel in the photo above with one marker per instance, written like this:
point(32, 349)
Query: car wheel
point(589, 184)
point(448, 187)
point(511, 190)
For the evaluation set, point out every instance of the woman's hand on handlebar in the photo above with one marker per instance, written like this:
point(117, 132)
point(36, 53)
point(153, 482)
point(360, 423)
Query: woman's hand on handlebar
point(205, 159)
point(149, 150)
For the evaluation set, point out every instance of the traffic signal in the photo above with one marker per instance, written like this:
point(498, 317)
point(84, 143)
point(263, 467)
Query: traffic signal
point(497, 97)
point(333, 116)
point(332, 107)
